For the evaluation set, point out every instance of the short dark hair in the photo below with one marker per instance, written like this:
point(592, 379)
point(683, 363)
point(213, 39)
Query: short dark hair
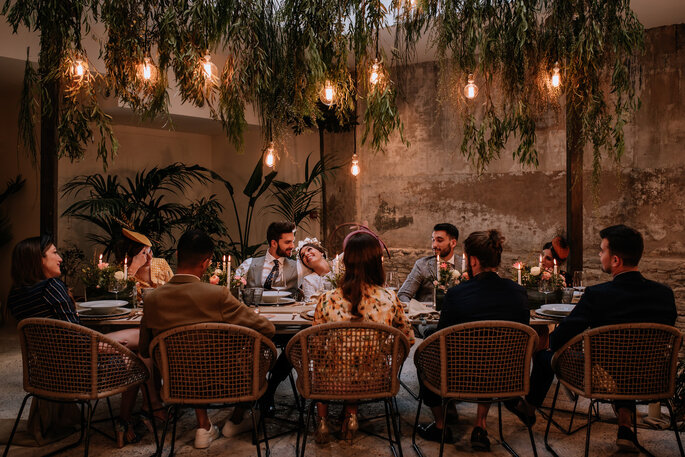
point(27, 260)
point(624, 242)
point(448, 228)
point(276, 229)
point(486, 247)
point(194, 247)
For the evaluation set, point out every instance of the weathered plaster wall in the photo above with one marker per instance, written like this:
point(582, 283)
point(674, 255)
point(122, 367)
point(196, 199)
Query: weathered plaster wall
point(405, 191)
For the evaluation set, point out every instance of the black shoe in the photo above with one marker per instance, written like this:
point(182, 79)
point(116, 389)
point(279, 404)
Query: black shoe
point(452, 414)
point(479, 439)
point(626, 439)
point(514, 406)
point(431, 432)
point(266, 405)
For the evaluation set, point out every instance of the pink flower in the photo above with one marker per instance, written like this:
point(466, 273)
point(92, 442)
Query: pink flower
point(546, 275)
point(243, 281)
point(214, 279)
point(102, 265)
point(443, 265)
point(465, 276)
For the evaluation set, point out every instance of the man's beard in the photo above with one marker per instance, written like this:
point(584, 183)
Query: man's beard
point(605, 270)
point(444, 254)
point(281, 253)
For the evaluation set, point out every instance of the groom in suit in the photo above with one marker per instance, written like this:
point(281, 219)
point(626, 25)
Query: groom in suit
point(419, 283)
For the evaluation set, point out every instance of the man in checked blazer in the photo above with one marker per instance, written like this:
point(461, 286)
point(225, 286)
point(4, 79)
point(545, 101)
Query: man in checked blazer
point(419, 283)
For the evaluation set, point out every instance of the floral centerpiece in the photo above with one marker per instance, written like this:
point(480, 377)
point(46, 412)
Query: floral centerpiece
point(530, 278)
point(218, 276)
point(99, 278)
point(446, 276)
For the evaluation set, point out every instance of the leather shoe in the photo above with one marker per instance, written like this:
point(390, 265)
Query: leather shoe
point(515, 407)
point(266, 405)
point(479, 439)
point(431, 432)
point(625, 440)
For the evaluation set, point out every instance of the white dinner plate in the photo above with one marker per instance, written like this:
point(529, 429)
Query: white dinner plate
point(559, 309)
point(89, 314)
point(270, 296)
point(310, 313)
point(103, 306)
point(282, 301)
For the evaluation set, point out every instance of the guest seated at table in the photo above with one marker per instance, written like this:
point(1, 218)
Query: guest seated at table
point(148, 271)
point(360, 297)
point(628, 298)
point(557, 249)
point(313, 256)
point(485, 297)
point(276, 266)
point(419, 282)
point(185, 300)
point(37, 291)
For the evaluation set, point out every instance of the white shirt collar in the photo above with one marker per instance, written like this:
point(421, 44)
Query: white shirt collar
point(269, 259)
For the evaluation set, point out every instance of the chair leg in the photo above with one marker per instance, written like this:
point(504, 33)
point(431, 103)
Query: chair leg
point(416, 447)
point(89, 419)
point(16, 423)
point(173, 432)
point(445, 403)
point(111, 418)
point(549, 422)
point(152, 416)
point(399, 418)
point(501, 435)
point(306, 428)
point(389, 427)
point(674, 425)
point(395, 423)
point(255, 431)
point(160, 446)
point(589, 426)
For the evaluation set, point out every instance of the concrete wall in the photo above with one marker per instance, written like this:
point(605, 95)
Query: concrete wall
point(405, 191)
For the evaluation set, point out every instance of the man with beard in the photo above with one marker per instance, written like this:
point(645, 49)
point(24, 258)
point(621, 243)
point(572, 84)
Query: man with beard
point(270, 269)
point(628, 298)
point(419, 282)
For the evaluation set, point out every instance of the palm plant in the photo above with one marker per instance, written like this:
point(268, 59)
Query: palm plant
point(141, 203)
point(294, 202)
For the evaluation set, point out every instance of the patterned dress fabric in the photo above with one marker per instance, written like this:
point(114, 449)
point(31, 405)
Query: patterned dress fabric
point(377, 305)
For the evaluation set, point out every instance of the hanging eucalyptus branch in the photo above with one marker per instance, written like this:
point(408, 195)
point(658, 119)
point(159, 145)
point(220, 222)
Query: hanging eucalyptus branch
point(511, 48)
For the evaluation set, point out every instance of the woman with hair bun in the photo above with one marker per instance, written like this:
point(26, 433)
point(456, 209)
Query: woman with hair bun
point(485, 297)
point(313, 256)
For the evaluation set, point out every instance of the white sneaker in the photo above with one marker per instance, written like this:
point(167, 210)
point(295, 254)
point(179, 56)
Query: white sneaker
point(230, 429)
point(204, 437)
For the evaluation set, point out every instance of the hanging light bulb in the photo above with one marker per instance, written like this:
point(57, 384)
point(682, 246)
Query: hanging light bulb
point(78, 69)
point(209, 70)
point(354, 169)
point(147, 71)
point(556, 75)
point(375, 73)
point(327, 95)
point(270, 156)
point(470, 90)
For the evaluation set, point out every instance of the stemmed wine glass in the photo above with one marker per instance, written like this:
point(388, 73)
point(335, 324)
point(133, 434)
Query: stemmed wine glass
point(116, 286)
point(278, 284)
point(546, 287)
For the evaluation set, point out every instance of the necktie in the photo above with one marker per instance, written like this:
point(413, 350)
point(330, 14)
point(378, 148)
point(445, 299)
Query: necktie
point(273, 274)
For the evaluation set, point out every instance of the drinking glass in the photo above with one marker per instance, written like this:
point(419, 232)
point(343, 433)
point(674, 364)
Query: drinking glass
point(578, 280)
point(115, 287)
point(546, 287)
point(391, 281)
point(252, 297)
point(278, 284)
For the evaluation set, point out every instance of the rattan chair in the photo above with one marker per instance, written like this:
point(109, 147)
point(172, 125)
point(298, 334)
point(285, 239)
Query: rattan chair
point(349, 361)
point(620, 362)
point(65, 362)
point(211, 365)
point(485, 361)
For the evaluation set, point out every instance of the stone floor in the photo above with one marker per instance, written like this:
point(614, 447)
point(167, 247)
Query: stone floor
point(661, 443)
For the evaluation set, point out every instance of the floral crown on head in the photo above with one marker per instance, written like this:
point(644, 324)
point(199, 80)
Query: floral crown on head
point(306, 241)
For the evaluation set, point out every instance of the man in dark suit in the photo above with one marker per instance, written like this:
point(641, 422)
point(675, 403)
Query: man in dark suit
point(184, 300)
point(485, 297)
point(628, 298)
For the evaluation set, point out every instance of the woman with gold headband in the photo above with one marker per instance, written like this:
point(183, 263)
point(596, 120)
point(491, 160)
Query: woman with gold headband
point(148, 271)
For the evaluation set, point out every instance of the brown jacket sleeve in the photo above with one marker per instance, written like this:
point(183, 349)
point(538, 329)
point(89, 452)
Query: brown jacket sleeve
point(234, 312)
point(144, 339)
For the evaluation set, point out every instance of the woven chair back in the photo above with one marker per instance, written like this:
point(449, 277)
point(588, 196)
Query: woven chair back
point(67, 361)
point(624, 361)
point(348, 360)
point(212, 363)
point(478, 360)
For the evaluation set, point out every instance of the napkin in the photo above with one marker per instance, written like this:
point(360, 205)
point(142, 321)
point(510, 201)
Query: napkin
point(417, 310)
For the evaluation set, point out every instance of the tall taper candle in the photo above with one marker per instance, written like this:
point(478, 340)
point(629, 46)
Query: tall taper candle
point(228, 272)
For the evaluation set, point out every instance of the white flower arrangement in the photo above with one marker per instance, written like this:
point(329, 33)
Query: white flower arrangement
point(119, 275)
point(534, 271)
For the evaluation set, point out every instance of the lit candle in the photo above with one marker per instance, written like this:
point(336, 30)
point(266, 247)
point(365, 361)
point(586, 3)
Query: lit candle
point(126, 267)
point(100, 262)
point(335, 266)
point(223, 264)
point(228, 272)
point(540, 264)
point(555, 267)
point(437, 267)
point(518, 272)
point(463, 262)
